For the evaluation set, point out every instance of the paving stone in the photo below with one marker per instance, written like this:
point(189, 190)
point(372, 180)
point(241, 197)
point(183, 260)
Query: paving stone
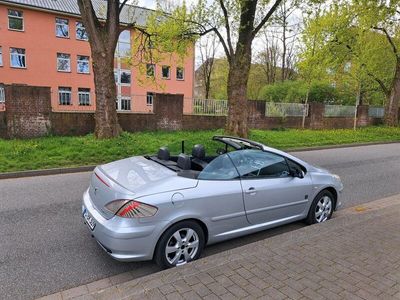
point(75, 292)
point(99, 285)
point(354, 256)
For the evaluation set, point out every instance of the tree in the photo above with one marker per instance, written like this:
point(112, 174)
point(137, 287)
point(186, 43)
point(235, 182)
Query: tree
point(207, 50)
point(103, 38)
point(242, 21)
point(357, 43)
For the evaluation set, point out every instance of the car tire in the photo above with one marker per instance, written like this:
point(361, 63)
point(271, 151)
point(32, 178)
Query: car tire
point(322, 208)
point(181, 243)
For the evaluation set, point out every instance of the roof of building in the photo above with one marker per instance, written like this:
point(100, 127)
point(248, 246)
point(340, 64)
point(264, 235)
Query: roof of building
point(129, 14)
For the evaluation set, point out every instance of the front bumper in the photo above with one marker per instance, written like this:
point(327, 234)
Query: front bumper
point(123, 239)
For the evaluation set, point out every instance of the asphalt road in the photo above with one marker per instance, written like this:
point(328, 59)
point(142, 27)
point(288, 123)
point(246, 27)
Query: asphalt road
point(45, 247)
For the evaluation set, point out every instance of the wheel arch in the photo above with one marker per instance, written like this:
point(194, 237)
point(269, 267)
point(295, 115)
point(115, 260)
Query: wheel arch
point(198, 221)
point(333, 191)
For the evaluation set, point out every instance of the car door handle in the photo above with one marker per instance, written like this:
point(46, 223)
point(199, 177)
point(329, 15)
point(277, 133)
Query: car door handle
point(251, 191)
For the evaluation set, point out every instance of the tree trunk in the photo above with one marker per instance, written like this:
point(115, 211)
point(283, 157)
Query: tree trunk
point(238, 76)
point(106, 118)
point(392, 102)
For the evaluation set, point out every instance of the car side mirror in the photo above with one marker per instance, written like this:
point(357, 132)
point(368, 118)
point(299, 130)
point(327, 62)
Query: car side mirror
point(297, 173)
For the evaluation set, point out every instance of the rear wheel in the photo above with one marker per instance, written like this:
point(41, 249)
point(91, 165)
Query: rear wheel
point(180, 244)
point(322, 207)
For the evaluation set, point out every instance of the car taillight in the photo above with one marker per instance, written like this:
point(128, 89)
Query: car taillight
point(131, 209)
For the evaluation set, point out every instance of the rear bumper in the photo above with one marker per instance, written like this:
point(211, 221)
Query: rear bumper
point(123, 239)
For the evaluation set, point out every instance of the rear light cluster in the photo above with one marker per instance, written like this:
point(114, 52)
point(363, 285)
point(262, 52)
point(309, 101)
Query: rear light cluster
point(131, 209)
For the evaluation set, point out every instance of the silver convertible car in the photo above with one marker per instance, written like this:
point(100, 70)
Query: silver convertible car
point(167, 208)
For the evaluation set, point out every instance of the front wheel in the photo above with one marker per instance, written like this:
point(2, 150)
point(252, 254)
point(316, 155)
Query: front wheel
point(180, 244)
point(321, 209)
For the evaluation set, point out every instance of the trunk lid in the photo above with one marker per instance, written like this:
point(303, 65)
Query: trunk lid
point(132, 178)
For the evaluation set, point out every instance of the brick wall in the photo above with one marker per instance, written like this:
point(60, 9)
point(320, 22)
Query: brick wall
point(27, 111)
point(28, 114)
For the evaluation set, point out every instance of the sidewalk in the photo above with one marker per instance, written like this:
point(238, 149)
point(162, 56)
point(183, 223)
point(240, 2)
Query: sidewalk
point(354, 256)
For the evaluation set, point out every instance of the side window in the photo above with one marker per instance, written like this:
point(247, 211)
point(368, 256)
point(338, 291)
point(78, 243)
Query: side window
point(295, 166)
point(259, 164)
point(220, 168)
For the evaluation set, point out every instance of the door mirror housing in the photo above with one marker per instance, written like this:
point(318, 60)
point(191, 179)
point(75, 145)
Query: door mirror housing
point(298, 173)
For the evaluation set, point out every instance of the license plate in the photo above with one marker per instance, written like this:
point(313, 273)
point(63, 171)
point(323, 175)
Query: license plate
point(89, 220)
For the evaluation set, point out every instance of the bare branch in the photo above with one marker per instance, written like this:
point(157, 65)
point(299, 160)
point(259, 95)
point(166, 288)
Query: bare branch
point(389, 38)
point(266, 18)
point(227, 26)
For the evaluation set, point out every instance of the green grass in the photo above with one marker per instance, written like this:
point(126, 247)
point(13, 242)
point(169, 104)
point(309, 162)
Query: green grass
point(52, 152)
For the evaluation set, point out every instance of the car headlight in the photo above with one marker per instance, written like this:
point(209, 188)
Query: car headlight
point(337, 177)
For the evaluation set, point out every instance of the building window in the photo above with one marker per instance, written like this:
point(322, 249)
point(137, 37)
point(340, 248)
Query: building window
point(15, 20)
point(62, 28)
point(1, 57)
point(123, 103)
point(84, 96)
point(125, 77)
point(2, 95)
point(17, 58)
point(64, 95)
point(83, 64)
point(150, 70)
point(166, 72)
point(63, 62)
point(81, 33)
point(180, 73)
point(149, 99)
point(124, 44)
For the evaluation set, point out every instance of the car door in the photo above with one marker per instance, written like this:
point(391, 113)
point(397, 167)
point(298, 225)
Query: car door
point(270, 192)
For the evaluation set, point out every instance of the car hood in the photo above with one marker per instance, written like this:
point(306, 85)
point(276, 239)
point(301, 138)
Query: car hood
point(143, 177)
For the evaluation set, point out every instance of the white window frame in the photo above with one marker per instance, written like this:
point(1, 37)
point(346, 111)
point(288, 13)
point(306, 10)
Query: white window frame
point(84, 92)
point(154, 70)
point(79, 25)
point(62, 24)
point(82, 61)
point(18, 54)
point(183, 73)
point(119, 103)
point(66, 91)
point(65, 59)
point(15, 17)
point(169, 72)
point(149, 95)
point(1, 56)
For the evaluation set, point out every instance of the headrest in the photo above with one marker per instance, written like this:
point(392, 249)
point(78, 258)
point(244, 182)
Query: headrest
point(198, 151)
point(184, 162)
point(163, 153)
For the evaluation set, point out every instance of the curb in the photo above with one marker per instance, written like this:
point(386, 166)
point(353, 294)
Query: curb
point(339, 146)
point(55, 171)
point(20, 174)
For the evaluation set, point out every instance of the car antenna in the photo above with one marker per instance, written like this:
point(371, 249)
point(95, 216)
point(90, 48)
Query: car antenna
point(183, 146)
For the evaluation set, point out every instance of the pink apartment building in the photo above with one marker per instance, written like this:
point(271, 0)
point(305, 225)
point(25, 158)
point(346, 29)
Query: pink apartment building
point(44, 43)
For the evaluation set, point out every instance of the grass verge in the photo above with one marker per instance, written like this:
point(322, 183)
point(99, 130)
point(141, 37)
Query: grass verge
point(54, 152)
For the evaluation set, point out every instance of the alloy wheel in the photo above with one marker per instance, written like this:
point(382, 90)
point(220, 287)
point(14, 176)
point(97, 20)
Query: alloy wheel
point(182, 246)
point(323, 209)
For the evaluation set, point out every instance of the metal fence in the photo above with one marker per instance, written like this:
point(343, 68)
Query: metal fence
point(376, 112)
point(273, 109)
point(339, 111)
point(2, 95)
point(210, 107)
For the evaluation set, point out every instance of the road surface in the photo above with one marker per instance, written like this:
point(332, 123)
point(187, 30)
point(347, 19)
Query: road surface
point(45, 247)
